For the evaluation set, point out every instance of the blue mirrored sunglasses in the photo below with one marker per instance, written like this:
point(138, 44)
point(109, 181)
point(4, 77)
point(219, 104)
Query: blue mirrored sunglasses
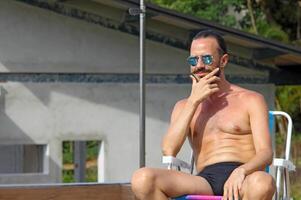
point(206, 59)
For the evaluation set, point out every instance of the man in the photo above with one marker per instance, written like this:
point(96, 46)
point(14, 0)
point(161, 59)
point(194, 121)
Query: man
point(227, 127)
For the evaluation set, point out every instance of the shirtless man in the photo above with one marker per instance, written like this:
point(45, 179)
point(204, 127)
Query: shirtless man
point(227, 127)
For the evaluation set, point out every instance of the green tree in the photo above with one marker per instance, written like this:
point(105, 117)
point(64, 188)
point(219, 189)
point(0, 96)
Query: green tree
point(285, 13)
point(213, 10)
point(289, 98)
point(258, 21)
point(251, 16)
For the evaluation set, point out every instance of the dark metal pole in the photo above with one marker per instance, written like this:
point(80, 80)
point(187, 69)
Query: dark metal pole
point(298, 19)
point(79, 161)
point(142, 85)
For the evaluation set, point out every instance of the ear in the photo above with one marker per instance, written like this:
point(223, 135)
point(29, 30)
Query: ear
point(224, 60)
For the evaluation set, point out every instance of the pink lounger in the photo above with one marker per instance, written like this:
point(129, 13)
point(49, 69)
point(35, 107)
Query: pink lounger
point(203, 197)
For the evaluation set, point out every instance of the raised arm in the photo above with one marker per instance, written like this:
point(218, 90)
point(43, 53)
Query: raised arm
point(179, 127)
point(184, 111)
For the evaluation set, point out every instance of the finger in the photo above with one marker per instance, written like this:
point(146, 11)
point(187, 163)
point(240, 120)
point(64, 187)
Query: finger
point(213, 90)
point(230, 193)
point(214, 85)
point(225, 196)
point(213, 79)
point(240, 189)
point(226, 192)
point(212, 73)
point(236, 194)
point(239, 186)
point(195, 77)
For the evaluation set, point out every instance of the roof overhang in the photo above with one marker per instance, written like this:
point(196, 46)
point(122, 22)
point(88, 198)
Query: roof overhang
point(284, 60)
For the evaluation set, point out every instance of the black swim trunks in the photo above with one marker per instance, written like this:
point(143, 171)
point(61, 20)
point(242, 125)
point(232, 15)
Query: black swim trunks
point(217, 174)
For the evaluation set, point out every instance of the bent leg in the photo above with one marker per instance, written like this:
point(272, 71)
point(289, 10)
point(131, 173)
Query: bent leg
point(258, 185)
point(159, 184)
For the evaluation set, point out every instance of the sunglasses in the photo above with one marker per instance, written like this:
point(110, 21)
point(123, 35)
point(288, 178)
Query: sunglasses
point(206, 60)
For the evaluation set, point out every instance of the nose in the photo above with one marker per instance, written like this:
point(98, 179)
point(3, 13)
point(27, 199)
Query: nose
point(199, 64)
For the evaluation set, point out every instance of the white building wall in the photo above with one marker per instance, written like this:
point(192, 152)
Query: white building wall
point(38, 40)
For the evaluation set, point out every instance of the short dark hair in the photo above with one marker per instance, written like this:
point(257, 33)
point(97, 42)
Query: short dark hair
point(204, 33)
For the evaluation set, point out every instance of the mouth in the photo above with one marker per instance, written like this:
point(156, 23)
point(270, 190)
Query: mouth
point(200, 74)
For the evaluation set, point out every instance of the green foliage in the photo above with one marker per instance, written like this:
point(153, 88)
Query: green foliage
point(275, 19)
point(91, 174)
point(68, 176)
point(92, 149)
point(284, 13)
point(289, 98)
point(67, 152)
point(213, 10)
point(296, 192)
point(264, 28)
point(272, 32)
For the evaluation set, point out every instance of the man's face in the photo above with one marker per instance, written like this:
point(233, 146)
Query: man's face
point(205, 50)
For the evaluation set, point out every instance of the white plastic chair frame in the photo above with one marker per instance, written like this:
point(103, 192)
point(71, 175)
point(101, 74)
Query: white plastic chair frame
point(282, 165)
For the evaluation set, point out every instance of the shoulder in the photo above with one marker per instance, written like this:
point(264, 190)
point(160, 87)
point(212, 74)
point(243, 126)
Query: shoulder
point(178, 107)
point(180, 104)
point(252, 100)
point(247, 95)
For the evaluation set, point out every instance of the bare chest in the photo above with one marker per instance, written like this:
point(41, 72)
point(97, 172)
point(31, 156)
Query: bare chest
point(228, 118)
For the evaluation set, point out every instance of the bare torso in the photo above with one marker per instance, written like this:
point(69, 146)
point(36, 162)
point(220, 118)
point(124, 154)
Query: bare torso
point(220, 130)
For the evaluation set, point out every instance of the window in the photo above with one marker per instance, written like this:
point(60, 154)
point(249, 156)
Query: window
point(22, 158)
point(83, 161)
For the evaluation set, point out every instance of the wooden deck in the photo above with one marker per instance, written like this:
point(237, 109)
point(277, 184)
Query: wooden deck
point(68, 192)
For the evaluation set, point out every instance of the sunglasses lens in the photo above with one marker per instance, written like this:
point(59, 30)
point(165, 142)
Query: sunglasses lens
point(192, 61)
point(207, 59)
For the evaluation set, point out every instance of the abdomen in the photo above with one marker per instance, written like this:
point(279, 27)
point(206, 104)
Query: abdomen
point(224, 147)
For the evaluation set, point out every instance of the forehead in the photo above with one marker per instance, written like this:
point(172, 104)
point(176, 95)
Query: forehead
point(204, 45)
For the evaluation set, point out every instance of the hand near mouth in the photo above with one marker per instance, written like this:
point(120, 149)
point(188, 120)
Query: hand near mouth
point(206, 72)
point(203, 87)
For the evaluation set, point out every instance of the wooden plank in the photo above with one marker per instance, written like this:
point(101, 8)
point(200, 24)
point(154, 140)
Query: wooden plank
point(288, 59)
point(68, 192)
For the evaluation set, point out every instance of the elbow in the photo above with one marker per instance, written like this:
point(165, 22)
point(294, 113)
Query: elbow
point(270, 157)
point(169, 148)
point(266, 156)
point(168, 151)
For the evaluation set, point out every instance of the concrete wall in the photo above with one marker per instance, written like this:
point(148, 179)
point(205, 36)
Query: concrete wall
point(37, 40)
point(49, 112)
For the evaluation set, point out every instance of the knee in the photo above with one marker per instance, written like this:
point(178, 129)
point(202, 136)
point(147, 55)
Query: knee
point(143, 182)
point(262, 184)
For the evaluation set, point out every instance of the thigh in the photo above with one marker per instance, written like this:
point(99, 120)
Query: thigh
point(174, 183)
